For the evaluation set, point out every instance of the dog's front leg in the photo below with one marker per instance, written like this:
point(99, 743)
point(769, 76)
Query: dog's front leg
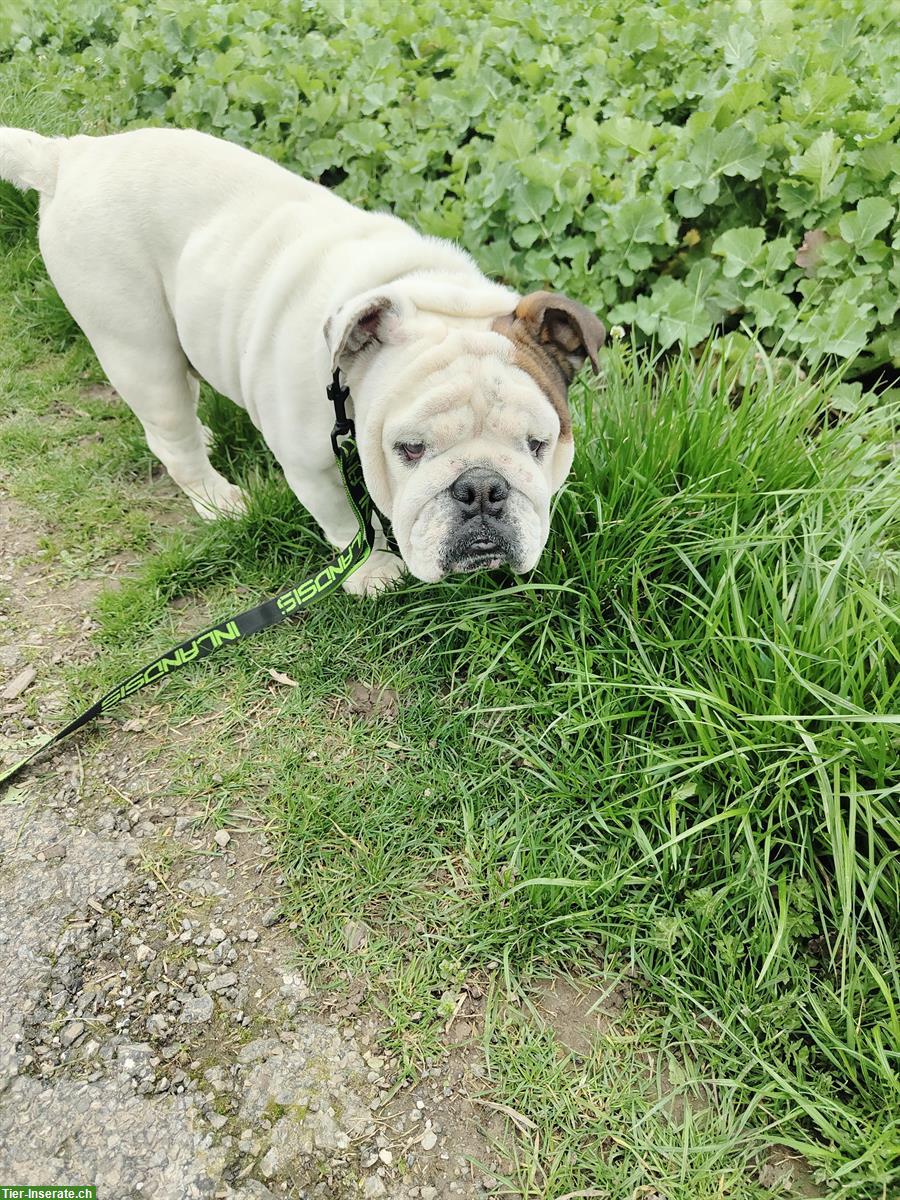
point(322, 494)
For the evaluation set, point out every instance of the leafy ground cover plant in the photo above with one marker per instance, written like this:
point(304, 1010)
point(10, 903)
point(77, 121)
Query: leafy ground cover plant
point(686, 168)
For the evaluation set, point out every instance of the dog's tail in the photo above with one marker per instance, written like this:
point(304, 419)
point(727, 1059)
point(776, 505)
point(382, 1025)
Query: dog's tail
point(29, 160)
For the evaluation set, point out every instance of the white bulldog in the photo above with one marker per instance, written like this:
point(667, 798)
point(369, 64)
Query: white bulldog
point(183, 256)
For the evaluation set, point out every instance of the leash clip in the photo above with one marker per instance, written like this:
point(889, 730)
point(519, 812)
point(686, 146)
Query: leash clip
point(339, 394)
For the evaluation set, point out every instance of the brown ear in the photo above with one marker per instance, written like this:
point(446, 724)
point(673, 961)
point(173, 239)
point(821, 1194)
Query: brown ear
point(552, 336)
point(566, 328)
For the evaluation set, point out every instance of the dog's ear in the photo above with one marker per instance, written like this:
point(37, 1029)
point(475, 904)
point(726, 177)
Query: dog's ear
point(552, 336)
point(562, 325)
point(359, 325)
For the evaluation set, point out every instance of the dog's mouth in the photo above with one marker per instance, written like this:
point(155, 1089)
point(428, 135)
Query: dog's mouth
point(487, 561)
point(482, 550)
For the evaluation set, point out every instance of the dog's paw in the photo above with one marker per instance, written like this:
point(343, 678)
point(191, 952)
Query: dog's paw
point(219, 500)
point(378, 573)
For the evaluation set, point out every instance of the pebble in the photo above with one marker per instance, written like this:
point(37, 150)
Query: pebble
point(428, 1140)
point(10, 656)
point(197, 1008)
point(157, 1025)
point(17, 686)
point(71, 1033)
point(222, 838)
point(220, 982)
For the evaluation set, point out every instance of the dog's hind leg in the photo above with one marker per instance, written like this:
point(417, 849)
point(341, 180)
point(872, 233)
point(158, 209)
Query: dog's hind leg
point(124, 315)
point(160, 390)
point(117, 298)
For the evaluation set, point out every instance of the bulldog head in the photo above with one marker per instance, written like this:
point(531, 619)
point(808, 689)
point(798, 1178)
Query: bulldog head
point(462, 416)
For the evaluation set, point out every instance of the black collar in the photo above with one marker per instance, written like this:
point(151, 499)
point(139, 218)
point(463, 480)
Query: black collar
point(338, 393)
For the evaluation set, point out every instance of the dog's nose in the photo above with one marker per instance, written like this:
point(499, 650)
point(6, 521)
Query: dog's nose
point(480, 491)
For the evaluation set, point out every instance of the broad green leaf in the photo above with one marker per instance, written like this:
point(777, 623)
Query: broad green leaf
point(768, 306)
point(625, 131)
point(530, 201)
point(640, 220)
point(255, 89)
point(542, 265)
point(732, 151)
point(691, 203)
point(738, 46)
point(741, 248)
point(682, 314)
point(514, 138)
point(639, 31)
point(368, 135)
point(540, 168)
point(872, 215)
point(638, 258)
point(779, 255)
point(319, 155)
point(880, 161)
point(526, 235)
point(584, 127)
point(840, 329)
point(796, 199)
point(739, 153)
point(820, 162)
point(846, 397)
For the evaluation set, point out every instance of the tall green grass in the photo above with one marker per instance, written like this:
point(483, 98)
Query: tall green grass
point(674, 746)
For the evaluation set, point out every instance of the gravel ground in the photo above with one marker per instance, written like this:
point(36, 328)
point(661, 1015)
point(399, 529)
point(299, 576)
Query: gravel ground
point(155, 1039)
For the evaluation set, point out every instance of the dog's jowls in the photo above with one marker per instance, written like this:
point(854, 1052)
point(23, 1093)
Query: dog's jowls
point(181, 255)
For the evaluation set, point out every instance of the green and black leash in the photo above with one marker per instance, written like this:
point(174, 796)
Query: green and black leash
point(270, 612)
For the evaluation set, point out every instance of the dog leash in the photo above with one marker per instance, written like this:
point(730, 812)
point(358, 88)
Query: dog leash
point(269, 612)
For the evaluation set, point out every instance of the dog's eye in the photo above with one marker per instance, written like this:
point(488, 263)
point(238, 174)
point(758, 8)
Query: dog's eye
point(411, 451)
point(536, 447)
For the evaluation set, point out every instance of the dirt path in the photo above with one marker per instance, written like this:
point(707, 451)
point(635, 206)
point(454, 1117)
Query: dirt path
point(155, 1039)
